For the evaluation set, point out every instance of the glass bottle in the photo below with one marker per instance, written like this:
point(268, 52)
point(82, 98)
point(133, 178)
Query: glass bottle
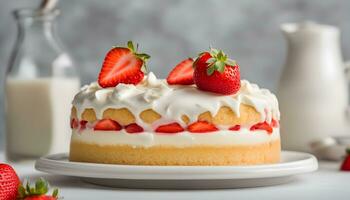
point(40, 83)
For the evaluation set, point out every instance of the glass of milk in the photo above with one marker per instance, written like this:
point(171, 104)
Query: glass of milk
point(40, 84)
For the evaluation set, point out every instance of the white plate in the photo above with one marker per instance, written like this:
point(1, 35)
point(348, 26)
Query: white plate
point(181, 177)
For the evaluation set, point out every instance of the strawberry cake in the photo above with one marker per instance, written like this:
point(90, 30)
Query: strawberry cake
point(202, 114)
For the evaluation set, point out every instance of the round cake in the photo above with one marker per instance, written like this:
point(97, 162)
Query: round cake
point(172, 121)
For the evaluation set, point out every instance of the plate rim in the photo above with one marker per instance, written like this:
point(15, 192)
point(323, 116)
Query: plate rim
point(51, 164)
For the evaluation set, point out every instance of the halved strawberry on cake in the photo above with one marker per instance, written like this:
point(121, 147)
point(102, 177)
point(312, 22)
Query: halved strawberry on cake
point(202, 114)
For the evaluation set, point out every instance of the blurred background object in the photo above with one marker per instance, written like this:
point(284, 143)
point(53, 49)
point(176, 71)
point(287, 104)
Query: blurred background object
point(170, 30)
point(40, 82)
point(312, 93)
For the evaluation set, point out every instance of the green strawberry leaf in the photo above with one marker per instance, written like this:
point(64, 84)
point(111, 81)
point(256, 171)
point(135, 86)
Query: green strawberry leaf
point(21, 191)
point(210, 70)
point(55, 192)
point(28, 187)
point(131, 45)
point(143, 56)
point(218, 61)
point(220, 66)
point(41, 186)
point(213, 52)
point(144, 68)
point(220, 55)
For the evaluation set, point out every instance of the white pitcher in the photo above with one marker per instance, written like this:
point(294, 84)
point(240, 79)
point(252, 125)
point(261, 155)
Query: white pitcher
point(313, 93)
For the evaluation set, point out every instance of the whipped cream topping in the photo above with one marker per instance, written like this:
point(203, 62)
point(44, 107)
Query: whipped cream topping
point(183, 139)
point(171, 102)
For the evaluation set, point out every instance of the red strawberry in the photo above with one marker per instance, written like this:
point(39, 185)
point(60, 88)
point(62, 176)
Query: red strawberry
point(201, 127)
point(215, 72)
point(38, 192)
point(107, 125)
point(133, 128)
point(40, 197)
point(182, 74)
point(235, 128)
point(122, 65)
point(346, 163)
point(9, 182)
point(274, 123)
point(262, 126)
point(74, 123)
point(170, 128)
point(83, 124)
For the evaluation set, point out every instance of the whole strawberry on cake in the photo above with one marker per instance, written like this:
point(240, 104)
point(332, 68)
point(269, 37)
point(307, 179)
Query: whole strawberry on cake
point(202, 114)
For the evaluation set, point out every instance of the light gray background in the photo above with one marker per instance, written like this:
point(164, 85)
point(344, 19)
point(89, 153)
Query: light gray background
point(170, 30)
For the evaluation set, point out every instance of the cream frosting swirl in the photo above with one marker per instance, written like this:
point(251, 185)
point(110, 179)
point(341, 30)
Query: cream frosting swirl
point(171, 102)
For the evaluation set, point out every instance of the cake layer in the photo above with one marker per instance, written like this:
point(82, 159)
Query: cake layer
point(154, 101)
point(183, 139)
point(224, 117)
point(263, 153)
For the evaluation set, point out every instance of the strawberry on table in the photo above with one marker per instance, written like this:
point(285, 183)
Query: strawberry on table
point(201, 127)
point(215, 72)
point(346, 163)
point(107, 125)
point(38, 192)
point(123, 65)
point(182, 74)
point(9, 182)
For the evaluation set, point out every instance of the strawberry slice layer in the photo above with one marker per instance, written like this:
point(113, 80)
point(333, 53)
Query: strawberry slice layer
point(170, 128)
point(74, 123)
point(107, 125)
point(274, 123)
point(122, 65)
point(182, 74)
point(201, 127)
point(262, 126)
point(133, 128)
point(235, 128)
point(83, 124)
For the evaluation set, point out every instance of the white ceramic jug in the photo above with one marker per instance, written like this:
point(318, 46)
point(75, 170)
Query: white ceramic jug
point(312, 93)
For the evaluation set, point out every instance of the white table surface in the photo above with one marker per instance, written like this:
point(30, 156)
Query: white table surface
point(327, 183)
